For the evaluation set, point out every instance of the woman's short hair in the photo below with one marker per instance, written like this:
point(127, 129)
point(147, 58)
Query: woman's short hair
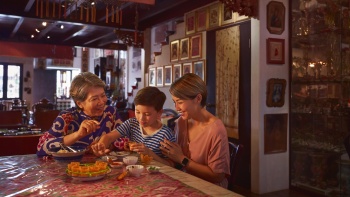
point(82, 83)
point(188, 87)
point(150, 96)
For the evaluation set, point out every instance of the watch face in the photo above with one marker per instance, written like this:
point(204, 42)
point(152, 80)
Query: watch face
point(184, 161)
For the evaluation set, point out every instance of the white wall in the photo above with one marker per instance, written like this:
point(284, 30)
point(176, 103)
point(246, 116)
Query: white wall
point(268, 172)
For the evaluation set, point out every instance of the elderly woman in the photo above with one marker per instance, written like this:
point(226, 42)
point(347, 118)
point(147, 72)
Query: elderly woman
point(87, 122)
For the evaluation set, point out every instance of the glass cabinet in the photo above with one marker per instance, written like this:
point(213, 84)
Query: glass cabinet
point(320, 96)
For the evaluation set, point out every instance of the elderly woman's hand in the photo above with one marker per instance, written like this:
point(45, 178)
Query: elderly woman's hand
point(172, 150)
point(99, 149)
point(87, 127)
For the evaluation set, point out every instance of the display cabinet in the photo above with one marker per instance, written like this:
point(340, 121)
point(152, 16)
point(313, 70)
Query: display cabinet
point(320, 96)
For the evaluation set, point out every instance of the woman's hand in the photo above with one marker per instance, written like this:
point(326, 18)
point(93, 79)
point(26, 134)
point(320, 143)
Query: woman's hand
point(172, 150)
point(87, 127)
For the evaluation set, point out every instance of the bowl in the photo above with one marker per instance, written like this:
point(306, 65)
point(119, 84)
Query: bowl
point(153, 169)
point(116, 164)
point(135, 170)
point(130, 160)
point(113, 158)
point(60, 155)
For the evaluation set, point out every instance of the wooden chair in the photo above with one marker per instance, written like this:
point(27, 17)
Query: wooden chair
point(11, 117)
point(235, 157)
point(43, 105)
point(44, 119)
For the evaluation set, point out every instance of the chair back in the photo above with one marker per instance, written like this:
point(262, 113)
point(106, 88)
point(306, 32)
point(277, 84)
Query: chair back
point(12, 117)
point(44, 119)
point(235, 157)
point(2, 107)
point(43, 105)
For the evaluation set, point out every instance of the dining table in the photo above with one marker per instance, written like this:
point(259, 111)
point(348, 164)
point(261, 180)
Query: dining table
point(29, 175)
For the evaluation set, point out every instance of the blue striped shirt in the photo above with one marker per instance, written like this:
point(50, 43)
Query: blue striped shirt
point(132, 129)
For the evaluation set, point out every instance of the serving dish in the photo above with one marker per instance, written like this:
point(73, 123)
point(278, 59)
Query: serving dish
point(116, 164)
point(90, 178)
point(120, 153)
point(67, 156)
point(105, 158)
point(135, 170)
point(153, 169)
point(130, 160)
point(87, 171)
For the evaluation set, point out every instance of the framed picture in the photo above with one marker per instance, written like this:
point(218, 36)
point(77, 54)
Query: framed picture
point(275, 51)
point(152, 77)
point(239, 18)
point(168, 73)
point(174, 50)
point(227, 16)
point(160, 76)
point(184, 48)
point(214, 16)
point(187, 68)
point(190, 23)
point(275, 17)
point(275, 133)
point(199, 68)
point(201, 19)
point(196, 46)
point(275, 92)
point(177, 71)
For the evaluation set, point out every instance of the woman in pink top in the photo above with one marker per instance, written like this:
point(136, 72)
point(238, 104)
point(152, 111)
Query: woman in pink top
point(202, 149)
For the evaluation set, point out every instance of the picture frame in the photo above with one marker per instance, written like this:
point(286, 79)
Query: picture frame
point(174, 50)
point(201, 19)
point(177, 71)
point(275, 51)
point(275, 19)
point(168, 75)
point(227, 16)
point(152, 76)
point(196, 46)
point(214, 16)
point(184, 48)
point(239, 18)
point(275, 92)
point(199, 68)
point(160, 76)
point(186, 68)
point(190, 27)
point(275, 133)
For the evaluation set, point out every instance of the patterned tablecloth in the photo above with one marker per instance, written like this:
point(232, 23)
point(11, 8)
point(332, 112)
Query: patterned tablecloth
point(27, 175)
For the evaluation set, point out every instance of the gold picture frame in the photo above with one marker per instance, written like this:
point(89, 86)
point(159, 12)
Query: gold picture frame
point(275, 92)
point(190, 19)
point(275, 19)
point(152, 76)
point(160, 76)
point(186, 68)
point(196, 46)
point(177, 71)
point(214, 16)
point(184, 48)
point(227, 16)
point(202, 19)
point(174, 50)
point(199, 68)
point(168, 75)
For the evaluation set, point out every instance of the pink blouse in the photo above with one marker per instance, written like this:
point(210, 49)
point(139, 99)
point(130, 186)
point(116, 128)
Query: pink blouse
point(210, 148)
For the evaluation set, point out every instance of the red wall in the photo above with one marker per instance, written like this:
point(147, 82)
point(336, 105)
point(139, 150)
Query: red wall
point(35, 50)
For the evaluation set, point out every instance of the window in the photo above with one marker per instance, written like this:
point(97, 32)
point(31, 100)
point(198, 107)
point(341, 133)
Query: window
point(11, 81)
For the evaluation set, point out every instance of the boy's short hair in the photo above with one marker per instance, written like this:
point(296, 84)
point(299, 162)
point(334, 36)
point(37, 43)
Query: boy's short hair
point(150, 96)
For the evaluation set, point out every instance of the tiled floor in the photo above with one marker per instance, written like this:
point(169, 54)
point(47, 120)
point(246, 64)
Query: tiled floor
point(283, 193)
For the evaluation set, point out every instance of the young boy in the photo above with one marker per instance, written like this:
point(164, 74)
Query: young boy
point(145, 129)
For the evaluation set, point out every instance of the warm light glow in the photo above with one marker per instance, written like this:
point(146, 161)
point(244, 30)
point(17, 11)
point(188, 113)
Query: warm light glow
point(32, 36)
point(311, 65)
point(44, 23)
point(62, 27)
point(48, 37)
point(37, 30)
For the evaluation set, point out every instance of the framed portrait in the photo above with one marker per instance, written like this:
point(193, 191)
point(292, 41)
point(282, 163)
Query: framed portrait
point(214, 16)
point(201, 19)
point(190, 23)
point(196, 46)
point(177, 71)
point(275, 92)
point(184, 48)
point(275, 17)
point(159, 76)
point(152, 77)
point(199, 68)
point(168, 75)
point(174, 50)
point(187, 68)
point(275, 51)
point(275, 133)
point(227, 16)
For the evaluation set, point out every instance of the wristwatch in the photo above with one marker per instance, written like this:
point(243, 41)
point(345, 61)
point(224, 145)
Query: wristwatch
point(184, 162)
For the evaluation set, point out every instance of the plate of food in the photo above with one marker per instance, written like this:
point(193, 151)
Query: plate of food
point(116, 164)
point(87, 171)
point(59, 153)
point(153, 169)
point(109, 158)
